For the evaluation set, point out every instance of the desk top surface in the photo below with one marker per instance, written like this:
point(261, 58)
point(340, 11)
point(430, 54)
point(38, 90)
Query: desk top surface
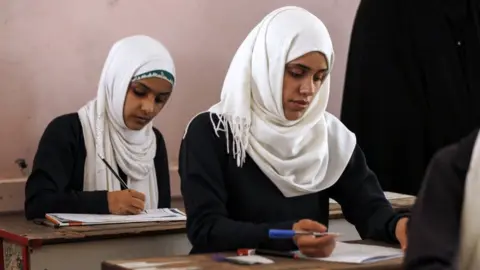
point(401, 203)
point(16, 228)
point(205, 261)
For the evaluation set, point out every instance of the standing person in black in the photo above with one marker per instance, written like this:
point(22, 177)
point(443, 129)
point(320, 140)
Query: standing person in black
point(68, 174)
point(444, 228)
point(268, 155)
point(412, 84)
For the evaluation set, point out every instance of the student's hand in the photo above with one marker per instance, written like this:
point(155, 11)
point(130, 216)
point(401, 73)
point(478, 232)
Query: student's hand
point(401, 232)
point(310, 245)
point(125, 202)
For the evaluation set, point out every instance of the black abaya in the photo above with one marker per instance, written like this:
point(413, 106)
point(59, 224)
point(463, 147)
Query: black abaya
point(412, 83)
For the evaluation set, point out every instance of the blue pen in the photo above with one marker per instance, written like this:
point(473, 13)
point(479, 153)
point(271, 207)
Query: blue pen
point(283, 234)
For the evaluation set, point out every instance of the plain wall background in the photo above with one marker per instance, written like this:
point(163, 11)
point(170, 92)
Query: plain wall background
point(52, 53)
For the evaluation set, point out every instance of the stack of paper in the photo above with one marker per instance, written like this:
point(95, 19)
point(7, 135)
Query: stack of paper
point(358, 253)
point(151, 215)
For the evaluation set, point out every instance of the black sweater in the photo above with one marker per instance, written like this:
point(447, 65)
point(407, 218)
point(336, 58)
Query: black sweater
point(230, 207)
point(56, 182)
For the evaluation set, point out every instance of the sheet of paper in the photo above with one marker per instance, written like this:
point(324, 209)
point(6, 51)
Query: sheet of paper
point(149, 265)
point(393, 195)
point(389, 195)
point(173, 268)
point(252, 259)
point(135, 265)
point(164, 214)
point(358, 253)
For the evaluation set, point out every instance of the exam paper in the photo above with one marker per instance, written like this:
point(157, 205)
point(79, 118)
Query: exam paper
point(164, 214)
point(359, 253)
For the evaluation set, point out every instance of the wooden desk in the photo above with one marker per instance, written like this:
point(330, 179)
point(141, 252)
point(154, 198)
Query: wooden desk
point(203, 262)
point(399, 205)
point(25, 245)
point(337, 222)
point(28, 246)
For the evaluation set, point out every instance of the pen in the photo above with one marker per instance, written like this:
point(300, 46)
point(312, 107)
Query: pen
point(283, 234)
point(116, 175)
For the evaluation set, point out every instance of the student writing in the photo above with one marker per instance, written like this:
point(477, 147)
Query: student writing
point(268, 155)
point(68, 174)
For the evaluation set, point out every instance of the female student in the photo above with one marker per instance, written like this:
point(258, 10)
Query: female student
point(268, 155)
point(444, 230)
point(69, 175)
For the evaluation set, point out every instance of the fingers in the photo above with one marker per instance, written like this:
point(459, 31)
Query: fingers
point(314, 242)
point(124, 202)
point(309, 226)
point(129, 209)
point(132, 210)
point(323, 250)
point(404, 244)
point(137, 204)
point(137, 195)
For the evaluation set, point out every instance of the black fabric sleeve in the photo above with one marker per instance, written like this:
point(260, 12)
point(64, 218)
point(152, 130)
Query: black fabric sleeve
point(434, 228)
point(202, 160)
point(363, 201)
point(47, 187)
point(163, 172)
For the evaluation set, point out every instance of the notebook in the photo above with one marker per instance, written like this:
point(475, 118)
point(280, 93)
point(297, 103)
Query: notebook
point(389, 195)
point(359, 253)
point(151, 215)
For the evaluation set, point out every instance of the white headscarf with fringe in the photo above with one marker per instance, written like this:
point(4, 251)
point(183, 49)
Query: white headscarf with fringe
point(302, 156)
point(105, 132)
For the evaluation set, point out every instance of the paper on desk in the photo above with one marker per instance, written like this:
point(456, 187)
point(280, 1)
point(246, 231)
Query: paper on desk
point(164, 214)
point(251, 259)
point(358, 253)
point(149, 265)
point(389, 195)
point(393, 195)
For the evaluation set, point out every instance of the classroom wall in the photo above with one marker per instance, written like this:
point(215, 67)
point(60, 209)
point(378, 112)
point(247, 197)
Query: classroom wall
point(52, 52)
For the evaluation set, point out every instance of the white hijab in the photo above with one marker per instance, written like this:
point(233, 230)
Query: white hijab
point(469, 255)
point(302, 156)
point(104, 129)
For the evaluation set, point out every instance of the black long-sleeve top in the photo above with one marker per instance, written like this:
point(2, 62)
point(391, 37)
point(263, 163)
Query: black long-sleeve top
point(230, 207)
point(55, 184)
point(412, 70)
point(434, 227)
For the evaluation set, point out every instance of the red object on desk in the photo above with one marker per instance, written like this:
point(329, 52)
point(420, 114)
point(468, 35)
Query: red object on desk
point(245, 252)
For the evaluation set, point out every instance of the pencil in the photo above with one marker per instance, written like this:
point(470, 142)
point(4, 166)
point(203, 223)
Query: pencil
point(116, 175)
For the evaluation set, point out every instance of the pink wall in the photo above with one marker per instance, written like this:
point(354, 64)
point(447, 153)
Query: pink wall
point(52, 52)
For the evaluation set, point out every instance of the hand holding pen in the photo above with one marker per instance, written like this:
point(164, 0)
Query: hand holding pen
point(310, 244)
point(124, 202)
